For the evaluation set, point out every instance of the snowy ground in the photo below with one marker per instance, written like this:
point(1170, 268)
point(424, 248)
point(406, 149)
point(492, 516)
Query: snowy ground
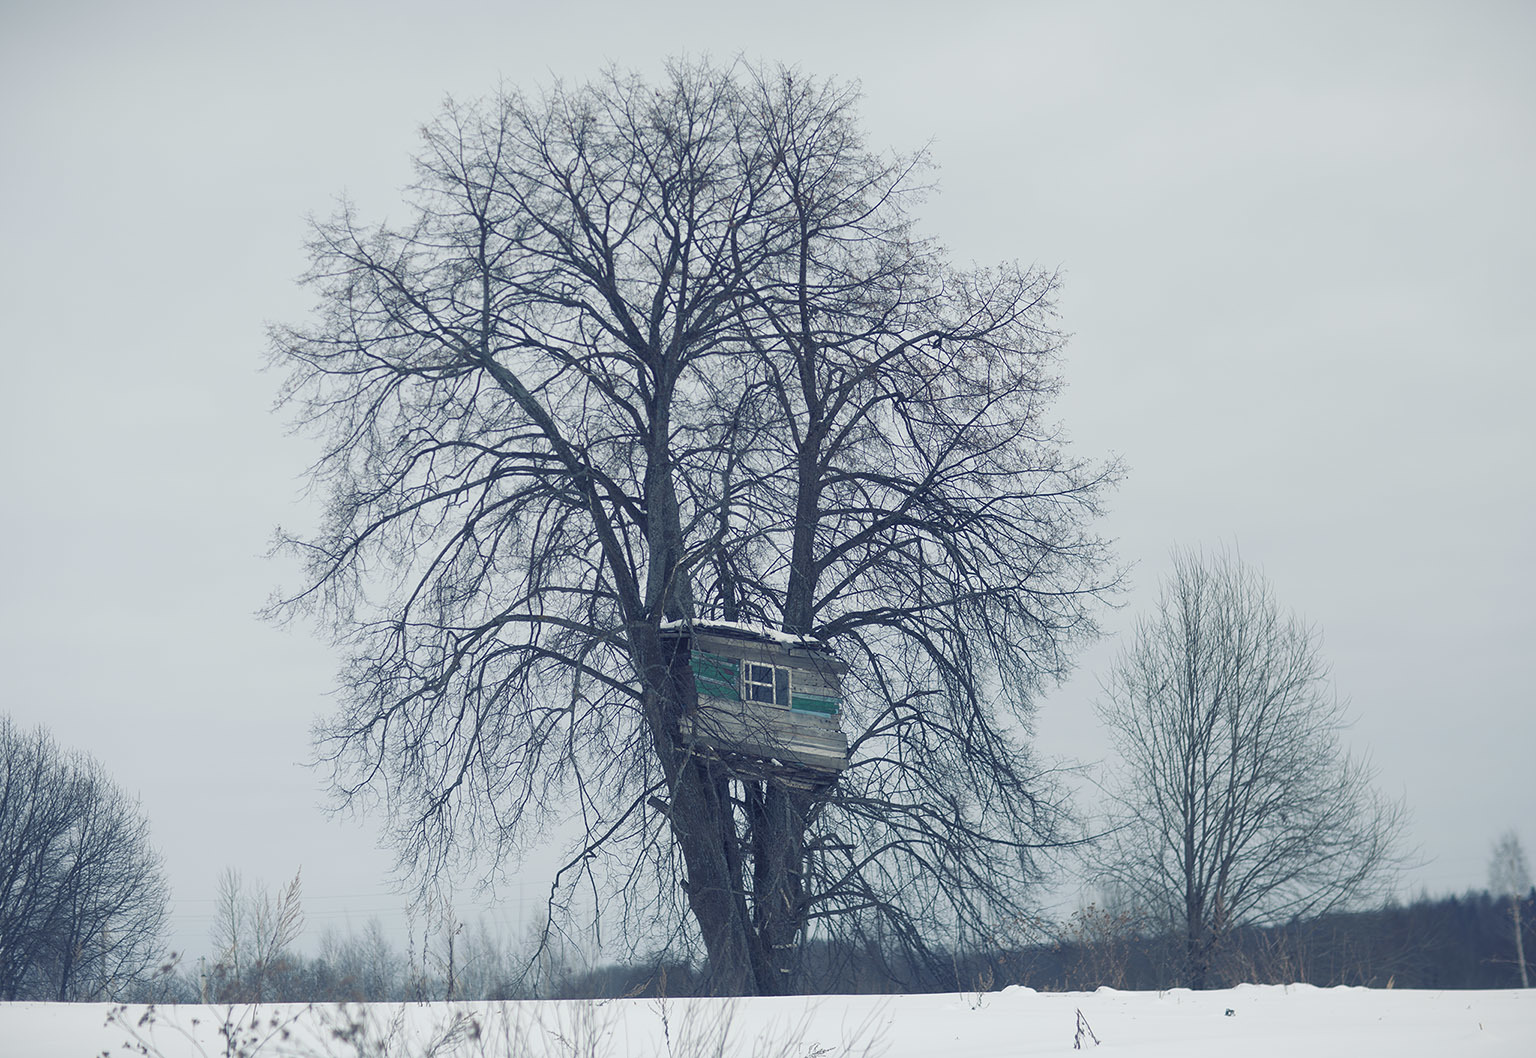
point(1247, 1022)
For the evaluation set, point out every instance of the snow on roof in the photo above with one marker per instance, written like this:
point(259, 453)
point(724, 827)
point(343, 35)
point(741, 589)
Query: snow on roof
point(744, 631)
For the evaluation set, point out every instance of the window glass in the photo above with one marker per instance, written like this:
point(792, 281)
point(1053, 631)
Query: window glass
point(765, 683)
point(759, 683)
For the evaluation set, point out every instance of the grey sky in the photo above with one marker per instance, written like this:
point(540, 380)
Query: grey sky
point(1299, 247)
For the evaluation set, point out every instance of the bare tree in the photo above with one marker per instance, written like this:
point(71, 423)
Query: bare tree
point(363, 967)
point(253, 933)
point(82, 896)
point(1236, 803)
point(657, 354)
point(1509, 875)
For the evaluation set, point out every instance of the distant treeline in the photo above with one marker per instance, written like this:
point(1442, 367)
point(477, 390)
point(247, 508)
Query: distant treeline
point(1452, 942)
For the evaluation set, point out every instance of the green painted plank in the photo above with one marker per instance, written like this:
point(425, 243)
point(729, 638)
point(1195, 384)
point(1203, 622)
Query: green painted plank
point(713, 689)
point(715, 676)
point(814, 703)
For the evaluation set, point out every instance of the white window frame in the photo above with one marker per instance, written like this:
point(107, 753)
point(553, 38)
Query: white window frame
point(778, 683)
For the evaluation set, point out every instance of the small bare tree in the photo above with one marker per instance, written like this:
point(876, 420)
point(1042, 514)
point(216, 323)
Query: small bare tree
point(1510, 875)
point(1235, 803)
point(365, 967)
point(252, 934)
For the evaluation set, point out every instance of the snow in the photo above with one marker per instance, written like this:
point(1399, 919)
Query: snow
point(736, 628)
point(1251, 1021)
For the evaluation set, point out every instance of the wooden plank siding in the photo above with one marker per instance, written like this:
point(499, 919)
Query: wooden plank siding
point(769, 733)
point(716, 676)
point(802, 732)
point(813, 703)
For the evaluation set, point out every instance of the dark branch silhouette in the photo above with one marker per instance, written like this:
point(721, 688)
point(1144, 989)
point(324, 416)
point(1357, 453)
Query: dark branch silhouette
point(647, 355)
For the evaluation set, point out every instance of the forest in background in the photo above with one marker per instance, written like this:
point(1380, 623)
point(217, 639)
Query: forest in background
point(1447, 942)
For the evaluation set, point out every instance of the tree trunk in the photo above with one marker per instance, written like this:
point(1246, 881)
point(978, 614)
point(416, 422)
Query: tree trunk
point(783, 813)
point(700, 817)
point(1198, 943)
point(1196, 963)
point(1525, 981)
point(778, 818)
point(700, 812)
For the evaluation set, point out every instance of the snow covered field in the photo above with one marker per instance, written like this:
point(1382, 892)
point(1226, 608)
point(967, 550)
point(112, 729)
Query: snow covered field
point(1246, 1022)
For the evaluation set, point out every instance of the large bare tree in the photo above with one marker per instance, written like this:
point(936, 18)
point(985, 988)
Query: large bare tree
point(649, 353)
point(82, 894)
point(1235, 803)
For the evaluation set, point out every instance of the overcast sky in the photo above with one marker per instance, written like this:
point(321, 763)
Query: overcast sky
point(1299, 250)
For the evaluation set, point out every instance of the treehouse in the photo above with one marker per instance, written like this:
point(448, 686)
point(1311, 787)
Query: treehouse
point(768, 701)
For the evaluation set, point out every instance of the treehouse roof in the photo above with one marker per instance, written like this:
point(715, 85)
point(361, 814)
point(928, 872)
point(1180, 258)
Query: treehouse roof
point(737, 629)
point(756, 642)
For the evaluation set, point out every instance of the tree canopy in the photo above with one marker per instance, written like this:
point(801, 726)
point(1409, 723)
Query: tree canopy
point(82, 894)
point(645, 353)
point(1235, 803)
